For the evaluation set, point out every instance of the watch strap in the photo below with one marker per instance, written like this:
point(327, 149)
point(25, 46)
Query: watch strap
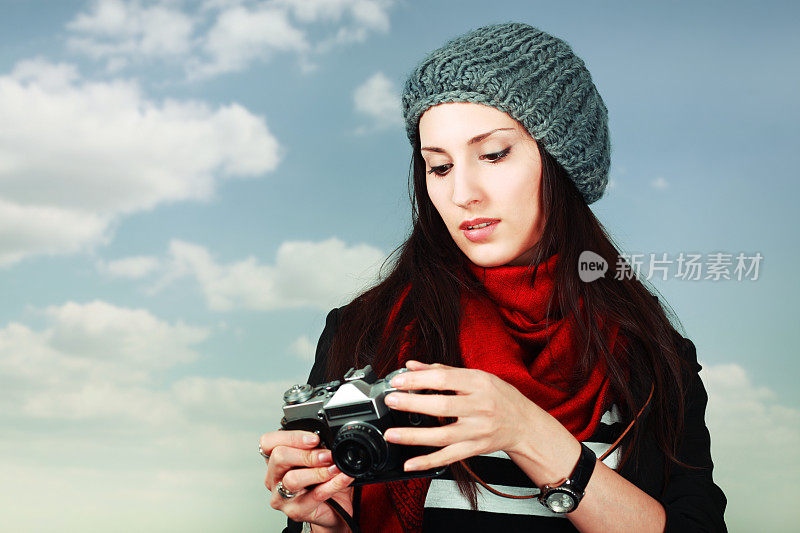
point(583, 470)
point(577, 481)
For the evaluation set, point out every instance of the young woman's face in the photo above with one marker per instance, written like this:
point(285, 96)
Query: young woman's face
point(471, 175)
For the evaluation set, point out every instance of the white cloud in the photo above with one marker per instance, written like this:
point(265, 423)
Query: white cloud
point(368, 16)
point(219, 36)
point(659, 183)
point(76, 155)
point(35, 229)
point(755, 443)
point(91, 330)
point(377, 99)
point(130, 267)
point(305, 274)
point(371, 14)
point(99, 362)
point(240, 36)
point(122, 31)
point(303, 348)
point(89, 422)
point(93, 359)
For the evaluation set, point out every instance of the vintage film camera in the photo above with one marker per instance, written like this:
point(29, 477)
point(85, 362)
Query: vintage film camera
point(351, 417)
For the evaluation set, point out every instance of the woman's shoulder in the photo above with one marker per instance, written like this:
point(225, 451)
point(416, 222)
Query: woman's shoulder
point(685, 347)
point(332, 320)
point(317, 374)
point(687, 351)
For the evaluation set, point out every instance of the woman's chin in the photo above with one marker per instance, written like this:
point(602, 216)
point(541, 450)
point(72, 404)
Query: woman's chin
point(486, 257)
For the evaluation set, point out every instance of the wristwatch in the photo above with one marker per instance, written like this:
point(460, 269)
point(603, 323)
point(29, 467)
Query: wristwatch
point(564, 496)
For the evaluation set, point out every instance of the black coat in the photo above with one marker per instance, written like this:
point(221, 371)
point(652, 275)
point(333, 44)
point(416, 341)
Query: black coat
point(693, 502)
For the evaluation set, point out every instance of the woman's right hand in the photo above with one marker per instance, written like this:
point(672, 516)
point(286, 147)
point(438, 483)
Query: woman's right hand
point(295, 460)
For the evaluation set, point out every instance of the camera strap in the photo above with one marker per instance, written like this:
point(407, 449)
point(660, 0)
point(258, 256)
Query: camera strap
point(605, 454)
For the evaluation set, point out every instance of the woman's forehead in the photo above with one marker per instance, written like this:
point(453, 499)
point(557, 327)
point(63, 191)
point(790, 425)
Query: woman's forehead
point(464, 123)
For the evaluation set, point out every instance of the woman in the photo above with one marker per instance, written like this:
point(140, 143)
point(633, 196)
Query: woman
point(510, 146)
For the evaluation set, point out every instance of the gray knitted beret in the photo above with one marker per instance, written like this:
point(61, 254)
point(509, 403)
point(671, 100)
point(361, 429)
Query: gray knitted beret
point(532, 76)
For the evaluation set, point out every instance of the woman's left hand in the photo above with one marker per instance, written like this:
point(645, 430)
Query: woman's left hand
point(491, 413)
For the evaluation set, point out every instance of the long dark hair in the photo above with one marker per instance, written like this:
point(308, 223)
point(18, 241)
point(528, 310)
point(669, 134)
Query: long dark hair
point(431, 262)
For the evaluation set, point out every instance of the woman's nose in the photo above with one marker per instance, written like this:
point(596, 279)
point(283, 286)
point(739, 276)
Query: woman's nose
point(466, 186)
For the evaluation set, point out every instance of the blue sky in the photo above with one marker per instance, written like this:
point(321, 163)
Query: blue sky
point(186, 188)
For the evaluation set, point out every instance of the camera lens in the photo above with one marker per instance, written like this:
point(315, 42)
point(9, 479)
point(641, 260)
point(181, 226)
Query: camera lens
point(355, 455)
point(359, 449)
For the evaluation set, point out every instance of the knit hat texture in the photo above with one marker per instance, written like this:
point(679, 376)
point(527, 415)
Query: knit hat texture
point(532, 76)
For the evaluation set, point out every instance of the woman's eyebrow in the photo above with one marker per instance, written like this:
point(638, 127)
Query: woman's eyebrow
point(476, 139)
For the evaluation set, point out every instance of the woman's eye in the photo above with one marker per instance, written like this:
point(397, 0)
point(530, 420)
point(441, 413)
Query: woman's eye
point(441, 170)
point(494, 158)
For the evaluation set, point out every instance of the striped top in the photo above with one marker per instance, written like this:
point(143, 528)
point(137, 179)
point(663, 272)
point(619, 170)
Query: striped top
point(446, 509)
point(691, 499)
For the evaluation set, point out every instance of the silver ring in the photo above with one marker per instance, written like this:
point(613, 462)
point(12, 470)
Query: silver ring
point(283, 492)
point(262, 452)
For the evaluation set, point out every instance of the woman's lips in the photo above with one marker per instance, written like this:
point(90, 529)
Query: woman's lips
point(479, 234)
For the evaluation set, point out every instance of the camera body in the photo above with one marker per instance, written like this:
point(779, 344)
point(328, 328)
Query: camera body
point(350, 417)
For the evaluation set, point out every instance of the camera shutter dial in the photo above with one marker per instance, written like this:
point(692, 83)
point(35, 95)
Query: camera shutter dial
point(389, 377)
point(297, 394)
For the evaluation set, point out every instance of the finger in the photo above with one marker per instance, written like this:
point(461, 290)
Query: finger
point(284, 458)
point(295, 439)
point(417, 365)
point(429, 404)
point(277, 501)
point(436, 436)
point(300, 478)
point(448, 455)
point(326, 490)
point(302, 508)
point(455, 379)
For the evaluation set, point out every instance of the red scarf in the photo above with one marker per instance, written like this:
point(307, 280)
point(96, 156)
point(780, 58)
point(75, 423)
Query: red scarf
point(509, 338)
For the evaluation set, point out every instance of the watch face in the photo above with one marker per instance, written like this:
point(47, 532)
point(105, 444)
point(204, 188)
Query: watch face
point(560, 502)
